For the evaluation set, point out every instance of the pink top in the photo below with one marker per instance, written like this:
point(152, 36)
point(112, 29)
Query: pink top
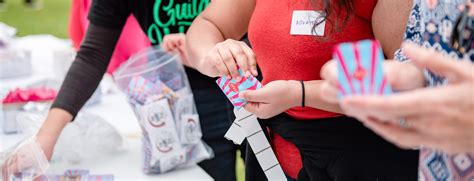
point(132, 39)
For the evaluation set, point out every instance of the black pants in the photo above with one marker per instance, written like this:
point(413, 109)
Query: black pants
point(341, 149)
point(216, 115)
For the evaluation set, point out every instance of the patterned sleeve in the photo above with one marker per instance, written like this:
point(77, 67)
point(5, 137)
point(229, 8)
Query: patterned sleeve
point(413, 30)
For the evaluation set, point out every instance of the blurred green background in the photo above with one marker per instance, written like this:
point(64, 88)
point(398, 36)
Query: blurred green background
point(51, 18)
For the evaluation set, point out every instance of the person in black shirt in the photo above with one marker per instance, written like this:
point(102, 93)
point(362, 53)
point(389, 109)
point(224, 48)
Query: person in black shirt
point(157, 18)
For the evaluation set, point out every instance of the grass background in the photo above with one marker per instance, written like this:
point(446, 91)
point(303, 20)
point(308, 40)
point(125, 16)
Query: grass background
point(53, 19)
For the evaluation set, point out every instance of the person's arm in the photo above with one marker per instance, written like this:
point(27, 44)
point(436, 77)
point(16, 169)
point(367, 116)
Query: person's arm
point(281, 95)
point(389, 21)
point(221, 20)
point(314, 99)
point(80, 83)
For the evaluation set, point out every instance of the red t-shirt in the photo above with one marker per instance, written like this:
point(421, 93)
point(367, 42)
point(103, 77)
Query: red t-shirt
point(282, 56)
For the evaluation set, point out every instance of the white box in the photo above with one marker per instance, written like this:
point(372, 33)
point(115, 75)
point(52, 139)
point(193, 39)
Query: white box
point(15, 63)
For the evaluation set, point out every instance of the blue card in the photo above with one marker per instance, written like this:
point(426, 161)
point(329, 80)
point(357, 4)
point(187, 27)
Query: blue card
point(360, 70)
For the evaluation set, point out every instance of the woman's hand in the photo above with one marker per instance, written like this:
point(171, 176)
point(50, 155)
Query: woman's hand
point(273, 99)
point(176, 42)
point(227, 56)
point(46, 138)
point(401, 77)
point(436, 117)
point(27, 161)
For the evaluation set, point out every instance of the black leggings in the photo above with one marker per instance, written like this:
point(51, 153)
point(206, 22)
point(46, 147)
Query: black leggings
point(342, 149)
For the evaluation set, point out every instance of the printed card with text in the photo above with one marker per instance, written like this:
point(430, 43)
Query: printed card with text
point(360, 71)
point(232, 88)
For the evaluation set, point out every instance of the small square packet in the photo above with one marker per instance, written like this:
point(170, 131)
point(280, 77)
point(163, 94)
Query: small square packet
point(232, 88)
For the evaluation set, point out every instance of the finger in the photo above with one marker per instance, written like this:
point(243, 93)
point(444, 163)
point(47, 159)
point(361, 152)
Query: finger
point(403, 76)
point(251, 58)
point(416, 123)
point(370, 105)
point(239, 56)
point(435, 127)
point(172, 45)
point(259, 95)
point(218, 63)
point(394, 106)
point(329, 72)
point(178, 41)
point(329, 92)
point(4, 171)
point(401, 137)
point(164, 45)
point(437, 62)
point(10, 167)
point(252, 107)
point(228, 61)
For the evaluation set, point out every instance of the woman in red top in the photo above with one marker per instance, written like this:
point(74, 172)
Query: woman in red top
point(312, 141)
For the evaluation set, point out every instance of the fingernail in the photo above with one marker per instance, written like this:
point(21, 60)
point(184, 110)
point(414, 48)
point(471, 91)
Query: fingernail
point(228, 77)
point(255, 72)
point(241, 95)
point(247, 74)
point(238, 79)
point(409, 45)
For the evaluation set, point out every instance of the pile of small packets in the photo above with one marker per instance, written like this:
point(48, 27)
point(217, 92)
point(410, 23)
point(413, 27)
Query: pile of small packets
point(76, 175)
point(165, 108)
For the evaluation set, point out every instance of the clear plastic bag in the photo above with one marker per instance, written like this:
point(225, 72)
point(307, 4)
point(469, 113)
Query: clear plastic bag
point(159, 92)
point(88, 137)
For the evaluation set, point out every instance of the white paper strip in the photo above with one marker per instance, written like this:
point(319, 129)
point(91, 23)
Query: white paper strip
point(246, 125)
point(235, 134)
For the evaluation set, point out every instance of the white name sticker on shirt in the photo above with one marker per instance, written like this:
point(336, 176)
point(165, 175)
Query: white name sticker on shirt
point(303, 21)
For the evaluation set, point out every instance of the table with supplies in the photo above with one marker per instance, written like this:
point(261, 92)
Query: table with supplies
point(112, 107)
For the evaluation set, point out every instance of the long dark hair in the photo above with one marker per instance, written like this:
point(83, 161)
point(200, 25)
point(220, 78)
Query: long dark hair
point(345, 7)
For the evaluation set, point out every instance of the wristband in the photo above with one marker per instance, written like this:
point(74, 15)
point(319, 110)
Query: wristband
point(302, 94)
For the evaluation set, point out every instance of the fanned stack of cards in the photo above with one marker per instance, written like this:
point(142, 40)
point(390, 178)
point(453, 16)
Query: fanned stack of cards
point(360, 69)
point(170, 123)
point(246, 125)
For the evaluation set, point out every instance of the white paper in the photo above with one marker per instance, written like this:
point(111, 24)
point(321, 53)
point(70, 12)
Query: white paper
point(303, 21)
point(235, 134)
point(275, 173)
point(190, 129)
point(159, 124)
point(258, 142)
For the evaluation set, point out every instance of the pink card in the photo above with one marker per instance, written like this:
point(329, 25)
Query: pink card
point(232, 88)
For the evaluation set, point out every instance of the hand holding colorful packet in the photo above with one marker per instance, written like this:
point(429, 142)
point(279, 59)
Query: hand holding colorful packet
point(232, 88)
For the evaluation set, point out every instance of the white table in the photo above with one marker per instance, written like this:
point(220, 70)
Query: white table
point(125, 165)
